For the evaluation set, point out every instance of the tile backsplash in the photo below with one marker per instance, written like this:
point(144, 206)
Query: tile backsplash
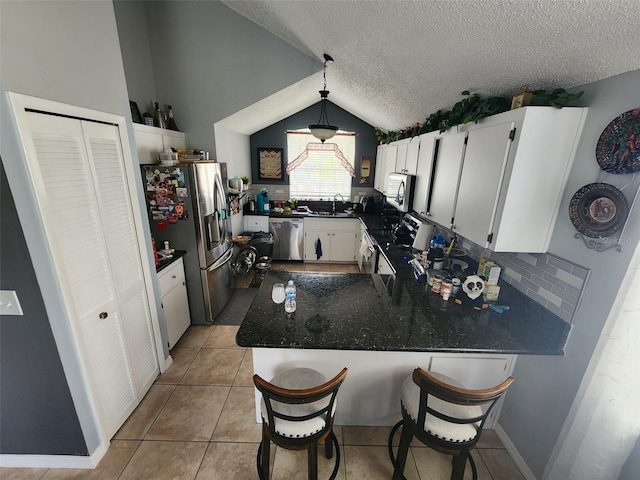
point(553, 282)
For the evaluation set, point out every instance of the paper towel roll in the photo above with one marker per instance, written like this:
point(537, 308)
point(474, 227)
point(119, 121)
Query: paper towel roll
point(423, 236)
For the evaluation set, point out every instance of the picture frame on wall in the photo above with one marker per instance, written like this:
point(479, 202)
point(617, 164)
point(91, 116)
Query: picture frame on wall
point(365, 170)
point(270, 164)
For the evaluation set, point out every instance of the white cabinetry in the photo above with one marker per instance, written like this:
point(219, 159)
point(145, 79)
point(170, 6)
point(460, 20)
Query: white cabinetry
point(173, 295)
point(401, 155)
point(446, 176)
point(86, 210)
point(426, 156)
point(384, 266)
point(385, 164)
point(407, 155)
point(337, 238)
point(150, 141)
point(515, 170)
point(256, 223)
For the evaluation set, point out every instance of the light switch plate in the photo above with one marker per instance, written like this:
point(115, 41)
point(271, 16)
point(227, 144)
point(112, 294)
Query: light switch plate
point(9, 303)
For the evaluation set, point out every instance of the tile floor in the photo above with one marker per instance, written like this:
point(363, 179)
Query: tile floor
point(197, 422)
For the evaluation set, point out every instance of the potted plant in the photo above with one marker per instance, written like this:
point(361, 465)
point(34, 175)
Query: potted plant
point(245, 182)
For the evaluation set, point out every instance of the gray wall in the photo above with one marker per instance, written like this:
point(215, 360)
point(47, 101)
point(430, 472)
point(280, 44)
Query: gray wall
point(209, 62)
point(275, 136)
point(66, 52)
point(34, 397)
point(540, 399)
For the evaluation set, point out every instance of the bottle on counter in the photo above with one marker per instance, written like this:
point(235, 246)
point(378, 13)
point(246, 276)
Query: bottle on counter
point(290, 297)
point(484, 258)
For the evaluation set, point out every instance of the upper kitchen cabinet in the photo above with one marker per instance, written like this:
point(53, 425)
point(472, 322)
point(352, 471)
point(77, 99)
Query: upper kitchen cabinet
point(446, 176)
point(427, 143)
point(407, 158)
point(513, 176)
point(401, 155)
point(152, 140)
point(385, 164)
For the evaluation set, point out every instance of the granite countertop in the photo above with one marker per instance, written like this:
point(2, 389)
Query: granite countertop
point(355, 312)
point(165, 263)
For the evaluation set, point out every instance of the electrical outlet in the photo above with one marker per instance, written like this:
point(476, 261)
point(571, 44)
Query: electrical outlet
point(9, 303)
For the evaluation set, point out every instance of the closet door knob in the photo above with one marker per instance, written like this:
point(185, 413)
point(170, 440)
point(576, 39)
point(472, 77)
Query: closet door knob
point(103, 315)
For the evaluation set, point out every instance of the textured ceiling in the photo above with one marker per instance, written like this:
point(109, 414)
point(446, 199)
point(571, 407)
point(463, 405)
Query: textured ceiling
point(397, 61)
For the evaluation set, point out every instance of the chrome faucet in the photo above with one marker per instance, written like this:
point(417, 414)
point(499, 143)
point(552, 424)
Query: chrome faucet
point(334, 201)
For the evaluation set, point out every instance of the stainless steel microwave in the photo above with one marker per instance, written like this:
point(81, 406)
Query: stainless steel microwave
point(398, 191)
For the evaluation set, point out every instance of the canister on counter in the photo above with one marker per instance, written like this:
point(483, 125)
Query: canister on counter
point(445, 289)
point(437, 283)
point(455, 285)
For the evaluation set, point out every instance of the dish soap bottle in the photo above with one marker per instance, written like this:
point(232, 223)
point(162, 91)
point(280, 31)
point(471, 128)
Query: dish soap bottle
point(290, 297)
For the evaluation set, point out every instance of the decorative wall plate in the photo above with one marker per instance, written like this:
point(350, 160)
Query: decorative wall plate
point(618, 148)
point(598, 210)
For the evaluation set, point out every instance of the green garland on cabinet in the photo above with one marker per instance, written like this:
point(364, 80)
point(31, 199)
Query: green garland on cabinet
point(473, 108)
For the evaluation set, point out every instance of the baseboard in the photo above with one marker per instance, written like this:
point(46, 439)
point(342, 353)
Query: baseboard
point(167, 363)
point(54, 461)
point(515, 455)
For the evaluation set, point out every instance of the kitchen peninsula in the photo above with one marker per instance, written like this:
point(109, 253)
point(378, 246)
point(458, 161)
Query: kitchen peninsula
point(352, 320)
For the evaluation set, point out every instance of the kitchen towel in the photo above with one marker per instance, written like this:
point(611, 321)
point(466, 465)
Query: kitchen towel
point(318, 249)
point(365, 248)
point(423, 236)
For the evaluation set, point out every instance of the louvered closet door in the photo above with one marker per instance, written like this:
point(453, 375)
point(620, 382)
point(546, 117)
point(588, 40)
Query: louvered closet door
point(114, 201)
point(63, 182)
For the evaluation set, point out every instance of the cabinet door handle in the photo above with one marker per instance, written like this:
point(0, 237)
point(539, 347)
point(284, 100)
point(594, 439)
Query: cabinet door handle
point(184, 283)
point(173, 276)
point(103, 315)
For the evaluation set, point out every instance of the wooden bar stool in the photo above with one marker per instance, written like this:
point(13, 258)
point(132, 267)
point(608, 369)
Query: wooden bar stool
point(298, 408)
point(443, 416)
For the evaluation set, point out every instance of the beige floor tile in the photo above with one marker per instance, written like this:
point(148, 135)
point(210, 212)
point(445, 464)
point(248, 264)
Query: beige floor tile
point(182, 358)
point(228, 461)
point(224, 336)
point(293, 267)
point(344, 268)
point(244, 378)
point(165, 461)
point(317, 267)
point(292, 465)
point(22, 473)
point(373, 463)
point(195, 336)
point(191, 413)
point(139, 422)
point(367, 436)
point(237, 421)
point(489, 439)
point(433, 465)
point(278, 266)
point(214, 366)
point(110, 467)
point(500, 464)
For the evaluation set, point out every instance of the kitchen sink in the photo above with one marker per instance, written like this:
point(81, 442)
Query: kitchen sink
point(332, 214)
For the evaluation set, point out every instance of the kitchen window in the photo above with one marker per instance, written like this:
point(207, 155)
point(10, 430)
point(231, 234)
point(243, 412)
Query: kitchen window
point(319, 171)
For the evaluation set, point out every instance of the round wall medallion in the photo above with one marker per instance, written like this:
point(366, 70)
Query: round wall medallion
point(598, 210)
point(618, 148)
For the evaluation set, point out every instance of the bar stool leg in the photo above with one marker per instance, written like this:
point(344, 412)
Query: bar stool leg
point(328, 446)
point(266, 453)
point(459, 463)
point(403, 449)
point(313, 461)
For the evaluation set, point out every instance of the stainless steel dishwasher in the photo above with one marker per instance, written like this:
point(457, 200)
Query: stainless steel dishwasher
point(288, 238)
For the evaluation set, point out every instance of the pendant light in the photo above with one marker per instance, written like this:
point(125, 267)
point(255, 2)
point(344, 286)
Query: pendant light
point(323, 130)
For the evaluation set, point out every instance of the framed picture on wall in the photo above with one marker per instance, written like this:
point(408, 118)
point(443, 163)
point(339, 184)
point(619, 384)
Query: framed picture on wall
point(270, 164)
point(365, 170)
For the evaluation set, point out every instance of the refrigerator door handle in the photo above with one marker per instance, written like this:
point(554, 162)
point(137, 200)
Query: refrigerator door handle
point(221, 261)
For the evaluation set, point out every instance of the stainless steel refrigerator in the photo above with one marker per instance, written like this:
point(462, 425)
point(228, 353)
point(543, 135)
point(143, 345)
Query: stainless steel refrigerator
point(188, 207)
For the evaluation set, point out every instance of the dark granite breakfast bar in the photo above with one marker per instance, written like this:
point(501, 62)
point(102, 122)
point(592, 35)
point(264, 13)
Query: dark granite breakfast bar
point(355, 312)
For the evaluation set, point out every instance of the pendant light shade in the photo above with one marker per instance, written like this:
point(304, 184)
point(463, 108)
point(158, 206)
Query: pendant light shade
point(323, 130)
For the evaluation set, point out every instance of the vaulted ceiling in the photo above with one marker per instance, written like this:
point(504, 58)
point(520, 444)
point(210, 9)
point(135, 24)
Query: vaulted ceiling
point(397, 61)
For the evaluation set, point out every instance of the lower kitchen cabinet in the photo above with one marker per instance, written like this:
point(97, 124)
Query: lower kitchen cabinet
point(337, 239)
point(175, 305)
